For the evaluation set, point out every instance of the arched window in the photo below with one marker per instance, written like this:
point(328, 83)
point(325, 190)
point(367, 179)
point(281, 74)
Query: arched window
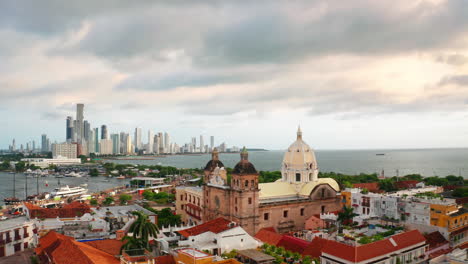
point(252, 183)
point(310, 176)
point(298, 177)
point(246, 183)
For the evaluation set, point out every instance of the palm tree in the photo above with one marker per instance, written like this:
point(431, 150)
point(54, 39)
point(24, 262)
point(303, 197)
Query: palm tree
point(345, 216)
point(132, 245)
point(143, 228)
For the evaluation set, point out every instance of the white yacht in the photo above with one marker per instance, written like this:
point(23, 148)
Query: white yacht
point(68, 191)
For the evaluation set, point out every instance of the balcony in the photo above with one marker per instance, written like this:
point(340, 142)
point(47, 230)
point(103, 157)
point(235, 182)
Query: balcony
point(2, 242)
point(8, 240)
point(18, 237)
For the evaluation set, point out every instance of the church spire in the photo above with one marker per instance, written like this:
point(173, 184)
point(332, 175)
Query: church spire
point(299, 132)
point(244, 154)
point(215, 154)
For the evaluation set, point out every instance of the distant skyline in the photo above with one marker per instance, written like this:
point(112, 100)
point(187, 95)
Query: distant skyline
point(355, 75)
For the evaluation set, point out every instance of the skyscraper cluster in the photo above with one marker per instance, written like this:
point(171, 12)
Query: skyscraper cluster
point(80, 134)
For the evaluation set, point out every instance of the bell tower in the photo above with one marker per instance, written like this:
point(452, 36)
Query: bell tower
point(245, 194)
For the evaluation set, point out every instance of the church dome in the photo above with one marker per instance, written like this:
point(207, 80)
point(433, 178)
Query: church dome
point(214, 162)
point(299, 163)
point(244, 166)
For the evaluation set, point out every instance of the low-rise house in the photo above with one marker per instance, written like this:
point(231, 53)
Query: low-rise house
point(437, 244)
point(16, 234)
point(217, 236)
point(402, 185)
point(269, 236)
point(189, 204)
point(408, 247)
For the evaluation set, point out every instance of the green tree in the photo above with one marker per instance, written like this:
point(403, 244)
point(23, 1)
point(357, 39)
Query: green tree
point(83, 158)
point(124, 198)
point(20, 166)
point(108, 201)
point(133, 245)
point(93, 202)
point(460, 192)
point(93, 172)
point(143, 228)
point(387, 185)
point(346, 216)
point(5, 165)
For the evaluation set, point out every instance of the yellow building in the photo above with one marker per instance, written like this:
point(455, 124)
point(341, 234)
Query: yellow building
point(346, 198)
point(454, 219)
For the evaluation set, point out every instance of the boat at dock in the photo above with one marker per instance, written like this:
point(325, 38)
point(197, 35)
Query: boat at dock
point(67, 191)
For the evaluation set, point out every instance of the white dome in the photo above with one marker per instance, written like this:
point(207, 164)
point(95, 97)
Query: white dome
point(299, 163)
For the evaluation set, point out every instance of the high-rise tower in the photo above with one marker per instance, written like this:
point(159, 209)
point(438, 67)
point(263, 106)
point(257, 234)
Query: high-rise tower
point(69, 129)
point(104, 133)
point(137, 140)
point(79, 122)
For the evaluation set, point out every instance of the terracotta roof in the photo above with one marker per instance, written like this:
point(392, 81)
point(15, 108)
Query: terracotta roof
point(244, 167)
point(293, 244)
point(70, 210)
point(110, 246)
point(65, 250)
point(435, 239)
point(371, 186)
point(406, 184)
point(167, 259)
point(314, 249)
point(440, 252)
point(212, 164)
point(268, 235)
point(373, 250)
point(217, 225)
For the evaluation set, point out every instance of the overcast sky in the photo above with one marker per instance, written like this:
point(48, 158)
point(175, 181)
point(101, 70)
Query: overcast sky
point(353, 74)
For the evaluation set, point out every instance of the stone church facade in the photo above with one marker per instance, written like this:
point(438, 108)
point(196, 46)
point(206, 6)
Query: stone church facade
point(285, 204)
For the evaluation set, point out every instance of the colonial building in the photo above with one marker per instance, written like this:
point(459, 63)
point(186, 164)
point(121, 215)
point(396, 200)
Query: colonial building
point(284, 204)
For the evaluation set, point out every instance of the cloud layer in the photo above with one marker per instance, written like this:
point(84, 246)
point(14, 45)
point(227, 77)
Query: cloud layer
point(221, 64)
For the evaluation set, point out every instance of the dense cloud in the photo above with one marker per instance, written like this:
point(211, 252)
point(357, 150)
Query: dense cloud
point(348, 60)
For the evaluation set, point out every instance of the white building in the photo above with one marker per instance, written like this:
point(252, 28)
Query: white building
point(65, 150)
point(217, 236)
point(150, 148)
point(45, 163)
point(138, 137)
point(17, 234)
point(106, 147)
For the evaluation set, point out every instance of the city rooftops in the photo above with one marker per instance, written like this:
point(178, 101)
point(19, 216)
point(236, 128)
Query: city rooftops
point(194, 253)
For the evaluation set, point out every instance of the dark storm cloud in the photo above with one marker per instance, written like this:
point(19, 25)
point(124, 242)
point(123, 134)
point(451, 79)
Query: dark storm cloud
point(357, 29)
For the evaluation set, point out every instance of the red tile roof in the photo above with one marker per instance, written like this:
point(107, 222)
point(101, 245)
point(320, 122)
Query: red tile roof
point(110, 246)
point(67, 211)
point(373, 250)
point(435, 239)
point(371, 186)
point(406, 184)
point(293, 244)
point(440, 252)
point(217, 225)
point(268, 235)
point(61, 249)
point(314, 249)
point(167, 259)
